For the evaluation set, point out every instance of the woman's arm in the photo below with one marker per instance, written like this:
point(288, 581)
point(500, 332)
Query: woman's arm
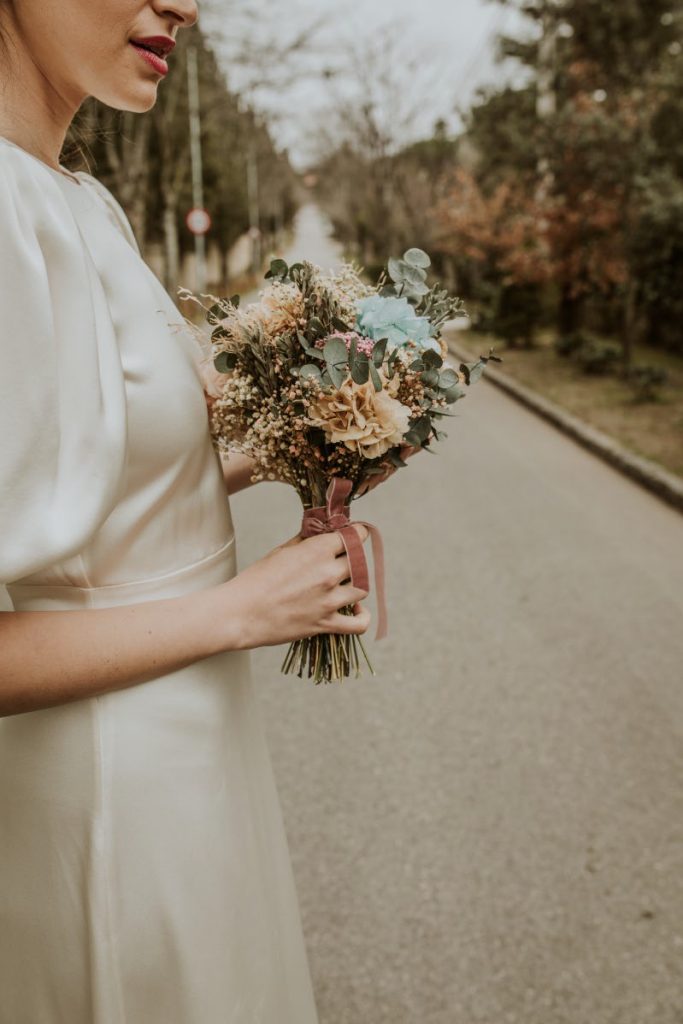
point(297, 590)
point(237, 472)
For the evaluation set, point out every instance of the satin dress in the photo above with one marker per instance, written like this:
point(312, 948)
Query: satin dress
point(145, 876)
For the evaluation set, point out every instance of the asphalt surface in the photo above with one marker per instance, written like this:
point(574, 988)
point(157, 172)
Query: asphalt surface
point(491, 830)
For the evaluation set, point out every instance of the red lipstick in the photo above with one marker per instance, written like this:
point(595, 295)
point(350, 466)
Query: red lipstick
point(153, 49)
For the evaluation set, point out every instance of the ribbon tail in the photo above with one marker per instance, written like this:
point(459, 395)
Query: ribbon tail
point(360, 576)
point(378, 559)
point(358, 566)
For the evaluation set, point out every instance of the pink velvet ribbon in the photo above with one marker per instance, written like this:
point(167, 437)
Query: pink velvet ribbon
point(335, 517)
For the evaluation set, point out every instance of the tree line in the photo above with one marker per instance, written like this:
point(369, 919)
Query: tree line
point(560, 204)
point(144, 159)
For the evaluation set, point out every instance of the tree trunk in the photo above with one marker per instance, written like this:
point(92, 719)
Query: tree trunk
point(171, 246)
point(628, 326)
point(570, 311)
point(138, 218)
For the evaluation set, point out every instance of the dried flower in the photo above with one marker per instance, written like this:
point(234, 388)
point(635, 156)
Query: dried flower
point(364, 420)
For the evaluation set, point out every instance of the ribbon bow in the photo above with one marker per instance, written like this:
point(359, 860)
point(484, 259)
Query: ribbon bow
point(335, 517)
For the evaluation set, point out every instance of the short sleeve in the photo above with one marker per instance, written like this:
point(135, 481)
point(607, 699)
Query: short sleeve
point(62, 391)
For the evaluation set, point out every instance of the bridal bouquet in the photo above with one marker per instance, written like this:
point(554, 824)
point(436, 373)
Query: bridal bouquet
point(323, 382)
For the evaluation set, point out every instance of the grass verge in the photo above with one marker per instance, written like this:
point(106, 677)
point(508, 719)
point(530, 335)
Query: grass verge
point(651, 429)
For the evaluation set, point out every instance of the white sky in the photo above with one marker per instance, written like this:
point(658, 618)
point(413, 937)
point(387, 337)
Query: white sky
point(454, 41)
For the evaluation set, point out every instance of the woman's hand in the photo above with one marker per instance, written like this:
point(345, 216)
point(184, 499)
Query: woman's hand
point(296, 591)
point(376, 479)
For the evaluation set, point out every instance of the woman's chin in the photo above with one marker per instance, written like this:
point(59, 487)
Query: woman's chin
point(135, 101)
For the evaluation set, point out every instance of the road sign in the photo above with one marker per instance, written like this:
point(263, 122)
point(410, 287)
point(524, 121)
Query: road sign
point(198, 221)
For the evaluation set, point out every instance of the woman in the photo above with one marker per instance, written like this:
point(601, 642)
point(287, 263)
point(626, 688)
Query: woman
point(144, 870)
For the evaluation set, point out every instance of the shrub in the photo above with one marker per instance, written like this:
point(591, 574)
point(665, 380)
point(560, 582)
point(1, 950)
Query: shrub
point(569, 344)
point(517, 314)
point(646, 381)
point(598, 357)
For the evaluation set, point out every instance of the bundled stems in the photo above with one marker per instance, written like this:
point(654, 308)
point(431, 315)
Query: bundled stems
point(327, 657)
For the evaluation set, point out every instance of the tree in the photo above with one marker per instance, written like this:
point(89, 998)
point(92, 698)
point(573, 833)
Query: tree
point(145, 159)
point(586, 135)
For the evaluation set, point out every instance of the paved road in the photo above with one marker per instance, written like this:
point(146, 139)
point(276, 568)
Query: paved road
point(491, 831)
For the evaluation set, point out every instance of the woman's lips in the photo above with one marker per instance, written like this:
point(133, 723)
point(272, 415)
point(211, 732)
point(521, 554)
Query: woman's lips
point(158, 63)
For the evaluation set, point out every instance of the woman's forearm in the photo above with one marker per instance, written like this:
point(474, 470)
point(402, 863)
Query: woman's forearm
point(237, 472)
point(296, 590)
point(54, 657)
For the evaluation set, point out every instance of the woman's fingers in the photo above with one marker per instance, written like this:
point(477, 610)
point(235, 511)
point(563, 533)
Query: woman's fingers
point(334, 543)
point(357, 623)
point(345, 594)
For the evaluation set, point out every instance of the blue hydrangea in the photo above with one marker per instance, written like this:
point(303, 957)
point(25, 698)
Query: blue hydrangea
point(395, 319)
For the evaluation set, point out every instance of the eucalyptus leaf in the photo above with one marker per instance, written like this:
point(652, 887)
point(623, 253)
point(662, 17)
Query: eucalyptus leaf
point(215, 314)
point(432, 359)
point(315, 327)
point(361, 369)
point(455, 393)
point(379, 351)
point(335, 351)
point(431, 378)
point(417, 258)
point(414, 276)
point(447, 379)
point(225, 362)
point(417, 290)
point(337, 375)
point(395, 269)
point(395, 459)
point(422, 428)
point(375, 377)
point(278, 268)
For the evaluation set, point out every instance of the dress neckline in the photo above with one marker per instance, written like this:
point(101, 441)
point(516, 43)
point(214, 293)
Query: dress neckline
point(63, 172)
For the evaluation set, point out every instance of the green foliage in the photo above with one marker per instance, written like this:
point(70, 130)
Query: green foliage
point(517, 314)
point(410, 274)
point(598, 357)
point(657, 258)
point(647, 381)
point(567, 345)
point(503, 127)
point(145, 159)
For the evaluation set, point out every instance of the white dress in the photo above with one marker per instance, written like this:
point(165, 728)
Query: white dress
point(145, 876)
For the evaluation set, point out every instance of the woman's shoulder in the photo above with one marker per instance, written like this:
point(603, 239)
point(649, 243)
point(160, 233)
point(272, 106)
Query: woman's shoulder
point(33, 195)
point(113, 207)
point(24, 179)
point(36, 221)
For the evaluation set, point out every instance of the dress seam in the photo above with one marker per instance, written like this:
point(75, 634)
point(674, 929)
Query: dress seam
point(130, 584)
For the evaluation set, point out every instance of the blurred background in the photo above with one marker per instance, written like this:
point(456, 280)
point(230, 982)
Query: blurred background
point(533, 147)
point(490, 831)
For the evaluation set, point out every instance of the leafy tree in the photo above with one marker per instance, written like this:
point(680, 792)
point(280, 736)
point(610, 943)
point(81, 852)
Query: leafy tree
point(590, 136)
point(145, 160)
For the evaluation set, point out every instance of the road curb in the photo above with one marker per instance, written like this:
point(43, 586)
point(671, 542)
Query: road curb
point(655, 478)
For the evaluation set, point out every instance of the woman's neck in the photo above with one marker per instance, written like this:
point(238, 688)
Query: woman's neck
point(34, 113)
